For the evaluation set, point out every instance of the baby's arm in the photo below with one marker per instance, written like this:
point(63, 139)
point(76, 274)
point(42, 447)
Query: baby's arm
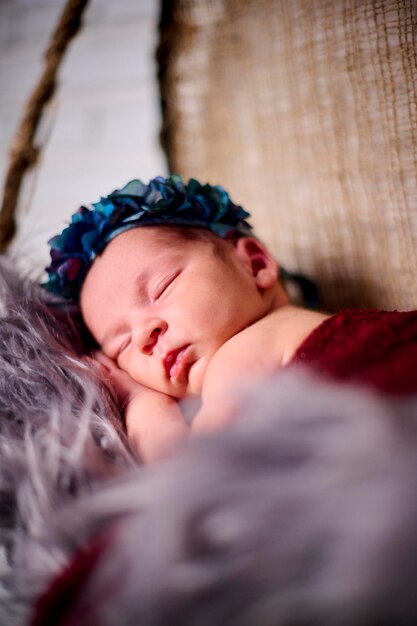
point(242, 360)
point(256, 351)
point(154, 422)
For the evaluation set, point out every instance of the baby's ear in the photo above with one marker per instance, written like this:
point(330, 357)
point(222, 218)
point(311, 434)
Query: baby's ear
point(259, 262)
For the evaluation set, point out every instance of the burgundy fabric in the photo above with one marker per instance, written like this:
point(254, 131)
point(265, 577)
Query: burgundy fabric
point(59, 605)
point(372, 347)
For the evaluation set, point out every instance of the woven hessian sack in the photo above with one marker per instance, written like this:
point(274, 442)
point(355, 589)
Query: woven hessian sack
point(306, 111)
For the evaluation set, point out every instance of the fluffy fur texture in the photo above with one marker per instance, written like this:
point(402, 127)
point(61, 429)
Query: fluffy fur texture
point(60, 430)
point(303, 513)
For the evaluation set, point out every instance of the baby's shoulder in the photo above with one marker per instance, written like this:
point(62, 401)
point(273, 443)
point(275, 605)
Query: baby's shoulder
point(265, 346)
point(273, 339)
point(250, 352)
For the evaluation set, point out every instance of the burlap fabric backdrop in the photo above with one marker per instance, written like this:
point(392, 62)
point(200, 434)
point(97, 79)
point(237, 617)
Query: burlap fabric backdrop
point(306, 110)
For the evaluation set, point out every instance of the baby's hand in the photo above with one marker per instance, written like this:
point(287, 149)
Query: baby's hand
point(123, 385)
point(154, 423)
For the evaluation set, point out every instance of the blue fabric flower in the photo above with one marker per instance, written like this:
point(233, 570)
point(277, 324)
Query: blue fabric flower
point(163, 201)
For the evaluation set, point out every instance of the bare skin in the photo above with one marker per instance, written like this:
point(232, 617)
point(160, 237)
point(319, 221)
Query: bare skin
point(178, 317)
point(261, 348)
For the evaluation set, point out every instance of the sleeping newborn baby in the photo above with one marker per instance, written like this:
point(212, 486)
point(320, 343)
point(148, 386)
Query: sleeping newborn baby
point(181, 299)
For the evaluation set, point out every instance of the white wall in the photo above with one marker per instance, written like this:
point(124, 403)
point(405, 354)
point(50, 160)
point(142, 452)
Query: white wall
point(103, 126)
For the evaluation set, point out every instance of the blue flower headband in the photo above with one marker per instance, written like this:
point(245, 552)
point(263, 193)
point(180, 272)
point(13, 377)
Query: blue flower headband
point(164, 201)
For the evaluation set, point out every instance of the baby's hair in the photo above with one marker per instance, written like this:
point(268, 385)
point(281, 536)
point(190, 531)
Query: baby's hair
point(188, 233)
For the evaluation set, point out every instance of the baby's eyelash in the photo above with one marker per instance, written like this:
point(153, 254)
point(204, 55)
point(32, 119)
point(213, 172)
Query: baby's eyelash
point(122, 347)
point(164, 284)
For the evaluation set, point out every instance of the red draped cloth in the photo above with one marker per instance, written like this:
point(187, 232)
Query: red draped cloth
point(372, 347)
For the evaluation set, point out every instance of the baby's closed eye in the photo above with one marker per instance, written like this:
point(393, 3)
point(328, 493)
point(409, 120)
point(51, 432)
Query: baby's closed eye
point(164, 284)
point(122, 347)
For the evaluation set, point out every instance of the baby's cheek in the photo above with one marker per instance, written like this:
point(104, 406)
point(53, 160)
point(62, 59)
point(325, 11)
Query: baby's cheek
point(129, 366)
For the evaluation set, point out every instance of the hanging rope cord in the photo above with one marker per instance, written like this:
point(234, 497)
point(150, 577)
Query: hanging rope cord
point(23, 152)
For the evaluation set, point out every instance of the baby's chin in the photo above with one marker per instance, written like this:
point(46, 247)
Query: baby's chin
point(196, 377)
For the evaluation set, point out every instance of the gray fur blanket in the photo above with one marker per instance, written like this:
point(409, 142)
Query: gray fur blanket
point(60, 430)
point(301, 513)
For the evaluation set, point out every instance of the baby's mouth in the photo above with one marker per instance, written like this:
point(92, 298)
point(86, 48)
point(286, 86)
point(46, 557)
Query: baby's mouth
point(175, 362)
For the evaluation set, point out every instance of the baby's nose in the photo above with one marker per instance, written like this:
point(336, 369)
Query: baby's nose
point(151, 337)
point(151, 341)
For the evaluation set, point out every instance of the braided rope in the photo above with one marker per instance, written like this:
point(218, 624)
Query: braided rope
point(23, 152)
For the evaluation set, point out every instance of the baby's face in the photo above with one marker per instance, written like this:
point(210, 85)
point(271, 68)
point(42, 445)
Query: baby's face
point(160, 305)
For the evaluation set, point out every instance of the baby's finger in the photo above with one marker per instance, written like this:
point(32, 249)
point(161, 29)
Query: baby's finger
point(100, 368)
point(122, 383)
point(104, 360)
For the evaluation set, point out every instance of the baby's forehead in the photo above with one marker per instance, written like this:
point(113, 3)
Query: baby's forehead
point(154, 240)
point(150, 247)
point(147, 239)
